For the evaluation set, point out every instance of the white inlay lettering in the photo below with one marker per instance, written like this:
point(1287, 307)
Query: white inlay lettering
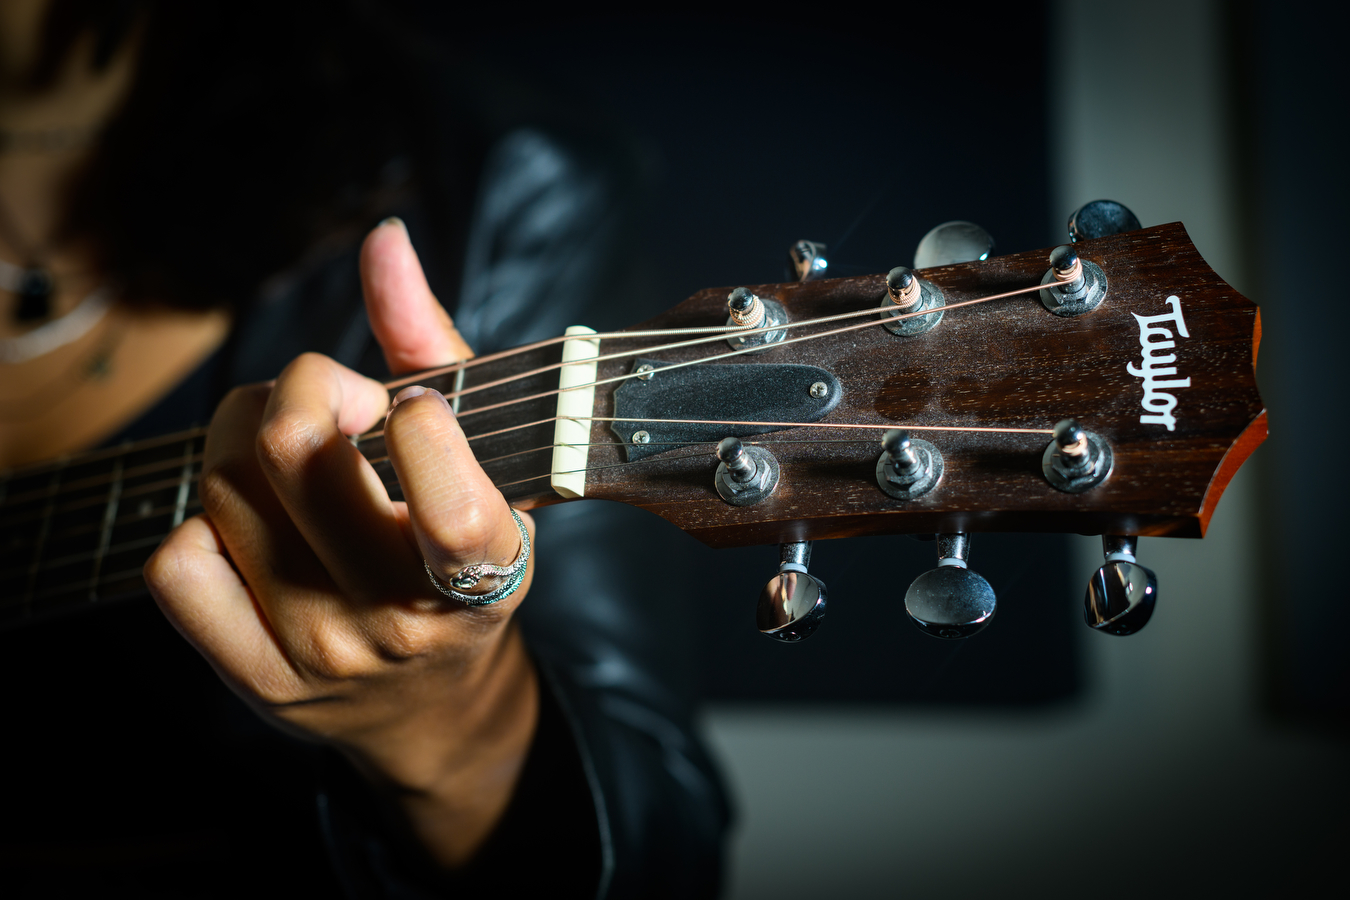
point(1156, 366)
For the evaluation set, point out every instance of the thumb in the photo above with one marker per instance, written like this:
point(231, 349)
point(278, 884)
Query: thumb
point(409, 322)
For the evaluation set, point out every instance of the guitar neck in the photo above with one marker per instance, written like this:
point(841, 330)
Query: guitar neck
point(75, 532)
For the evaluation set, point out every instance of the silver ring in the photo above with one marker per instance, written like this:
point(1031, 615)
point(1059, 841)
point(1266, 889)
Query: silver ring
point(471, 575)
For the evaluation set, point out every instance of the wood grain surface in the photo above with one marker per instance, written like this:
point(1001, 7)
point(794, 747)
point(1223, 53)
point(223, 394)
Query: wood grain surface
point(1007, 363)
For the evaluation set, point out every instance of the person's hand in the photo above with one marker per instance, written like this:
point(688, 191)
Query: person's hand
point(303, 583)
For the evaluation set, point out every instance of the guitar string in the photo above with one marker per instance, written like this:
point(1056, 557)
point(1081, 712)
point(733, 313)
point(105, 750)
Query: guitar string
point(721, 333)
point(679, 365)
point(147, 541)
point(192, 433)
point(724, 333)
point(133, 491)
point(723, 330)
point(142, 542)
point(851, 440)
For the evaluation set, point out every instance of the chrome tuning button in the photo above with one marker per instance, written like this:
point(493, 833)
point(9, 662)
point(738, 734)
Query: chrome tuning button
point(908, 467)
point(1101, 218)
point(748, 310)
point(1077, 460)
point(745, 475)
point(950, 601)
point(907, 294)
point(793, 602)
point(806, 260)
point(1121, 595)
point(1073, 286)
point(953, 242)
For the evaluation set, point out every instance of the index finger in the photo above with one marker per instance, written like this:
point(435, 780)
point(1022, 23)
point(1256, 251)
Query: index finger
point(327, 488)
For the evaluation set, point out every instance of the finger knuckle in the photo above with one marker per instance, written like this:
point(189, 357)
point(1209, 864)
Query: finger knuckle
point(477, 521)
point(162, 571)
point(286, 441)
point(334, 652)
point(400, 638)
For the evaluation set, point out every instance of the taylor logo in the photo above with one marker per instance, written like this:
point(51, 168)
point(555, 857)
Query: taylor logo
point(1157, 367)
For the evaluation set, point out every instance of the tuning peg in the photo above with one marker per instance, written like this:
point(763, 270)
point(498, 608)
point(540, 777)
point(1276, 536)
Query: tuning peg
point(806, 260)
point(1076, 460)
point(748, 310)
point(950, 601)
point(793, 602)
point(907, 467)
point(1121, 595)
point(953, 242)
point(745, 475)
point(907, 293)
point(1073, 286)
point(1101, 218)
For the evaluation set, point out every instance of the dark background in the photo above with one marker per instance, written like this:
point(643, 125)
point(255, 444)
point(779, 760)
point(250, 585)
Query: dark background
point(752, 133)
point(1205, 755)
point(864, 132)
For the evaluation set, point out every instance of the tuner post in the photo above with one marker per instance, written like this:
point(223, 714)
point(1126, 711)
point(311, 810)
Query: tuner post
point(745, 475)
point(907, 295)
point(1073, 286)
point(749, 311)
point(1076, 460)
point(908, 467)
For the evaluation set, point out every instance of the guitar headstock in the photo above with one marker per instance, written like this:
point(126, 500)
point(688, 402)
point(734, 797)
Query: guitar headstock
point(1161, 370)
point(1105, 387)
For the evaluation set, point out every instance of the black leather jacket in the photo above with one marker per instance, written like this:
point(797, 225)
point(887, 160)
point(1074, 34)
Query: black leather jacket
point(619, 798)
point(135, 771)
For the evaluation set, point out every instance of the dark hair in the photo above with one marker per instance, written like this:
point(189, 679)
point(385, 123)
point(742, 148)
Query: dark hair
point(256, 132)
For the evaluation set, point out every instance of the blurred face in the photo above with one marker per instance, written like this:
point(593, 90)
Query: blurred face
point(75, 93)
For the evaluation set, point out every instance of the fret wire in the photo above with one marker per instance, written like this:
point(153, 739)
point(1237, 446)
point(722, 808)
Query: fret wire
point(184, 480)
point(458, 390)
point(109, 516)
point(43, 531)
point(91, 501)
point(125, 518)
point(96, 480)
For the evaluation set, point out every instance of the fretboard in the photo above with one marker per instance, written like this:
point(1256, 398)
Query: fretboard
point(75, 532)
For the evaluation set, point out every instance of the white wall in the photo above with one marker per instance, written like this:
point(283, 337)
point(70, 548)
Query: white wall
point(1165, 776)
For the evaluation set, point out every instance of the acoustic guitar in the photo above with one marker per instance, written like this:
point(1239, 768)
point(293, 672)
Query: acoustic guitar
point(1103, 387)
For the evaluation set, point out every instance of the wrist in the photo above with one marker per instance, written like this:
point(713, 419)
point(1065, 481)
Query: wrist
point(452, 767)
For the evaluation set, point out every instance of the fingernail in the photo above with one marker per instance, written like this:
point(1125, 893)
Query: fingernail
point(416, 390)
point(412, 390)
point(395, 220)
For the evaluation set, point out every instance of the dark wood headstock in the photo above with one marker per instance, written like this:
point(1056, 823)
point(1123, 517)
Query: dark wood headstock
point(76, 530)
point(1007, 363)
